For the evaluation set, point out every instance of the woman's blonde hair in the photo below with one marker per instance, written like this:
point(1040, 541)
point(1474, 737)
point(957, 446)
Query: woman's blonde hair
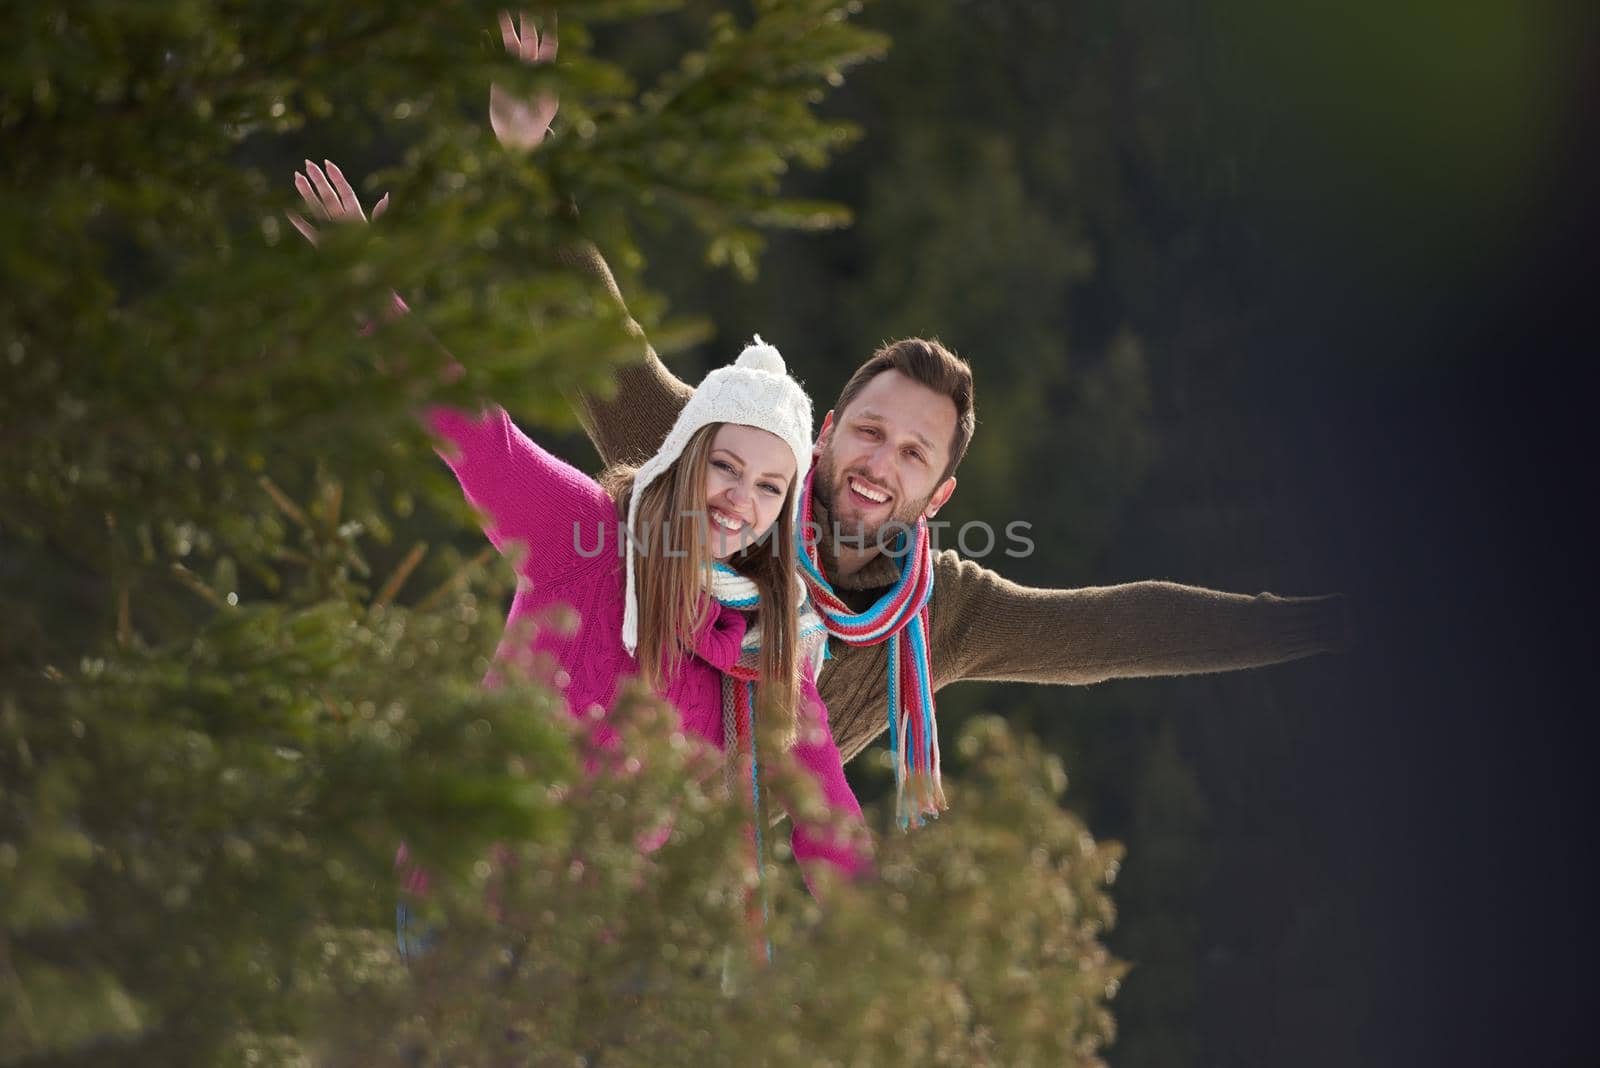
point(674, 579)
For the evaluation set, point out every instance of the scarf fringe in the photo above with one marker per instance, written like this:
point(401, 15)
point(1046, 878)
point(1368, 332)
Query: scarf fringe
point(739, 743)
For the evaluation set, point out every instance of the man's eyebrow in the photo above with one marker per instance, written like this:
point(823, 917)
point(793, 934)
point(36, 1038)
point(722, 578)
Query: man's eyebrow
point(740, 460)
point(869, 414)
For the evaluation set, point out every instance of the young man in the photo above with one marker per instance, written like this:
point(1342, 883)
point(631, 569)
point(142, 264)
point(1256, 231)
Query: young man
point(887, 456)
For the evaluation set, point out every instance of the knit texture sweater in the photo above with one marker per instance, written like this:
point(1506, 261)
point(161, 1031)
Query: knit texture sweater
point(981, 625)
point(546, 517)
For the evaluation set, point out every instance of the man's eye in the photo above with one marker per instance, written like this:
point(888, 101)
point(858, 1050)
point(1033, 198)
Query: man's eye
point(915, 455)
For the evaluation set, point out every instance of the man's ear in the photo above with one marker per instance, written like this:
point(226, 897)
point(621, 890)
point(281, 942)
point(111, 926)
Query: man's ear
point(940, 496)
point(822, 437)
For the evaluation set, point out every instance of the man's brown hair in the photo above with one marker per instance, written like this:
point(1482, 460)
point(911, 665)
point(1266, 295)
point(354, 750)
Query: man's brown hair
point(930, 363)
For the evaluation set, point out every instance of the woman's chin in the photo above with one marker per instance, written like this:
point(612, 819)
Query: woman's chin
point(722, 544)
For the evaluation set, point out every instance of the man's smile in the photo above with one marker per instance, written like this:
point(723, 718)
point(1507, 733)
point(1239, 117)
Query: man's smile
point(867, 493)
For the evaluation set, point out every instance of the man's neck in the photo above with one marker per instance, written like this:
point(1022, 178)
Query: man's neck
point(848, 560)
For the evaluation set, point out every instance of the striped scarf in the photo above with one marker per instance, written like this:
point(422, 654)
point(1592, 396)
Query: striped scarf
point(734, 590)
point(900, 617)
point(739, 690)
point(739, 682)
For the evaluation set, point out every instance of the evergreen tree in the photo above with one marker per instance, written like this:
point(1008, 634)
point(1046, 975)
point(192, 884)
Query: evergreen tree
point(247, 619)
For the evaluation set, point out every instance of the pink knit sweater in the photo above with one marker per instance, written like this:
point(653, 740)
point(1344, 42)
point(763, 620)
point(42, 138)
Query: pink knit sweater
point(548, 517)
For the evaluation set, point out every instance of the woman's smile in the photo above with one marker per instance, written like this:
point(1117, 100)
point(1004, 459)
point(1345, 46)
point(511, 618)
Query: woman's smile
point(724, 521)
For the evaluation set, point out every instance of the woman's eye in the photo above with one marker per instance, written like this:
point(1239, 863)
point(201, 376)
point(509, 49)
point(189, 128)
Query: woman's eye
point(770, 488)
point(722, 465)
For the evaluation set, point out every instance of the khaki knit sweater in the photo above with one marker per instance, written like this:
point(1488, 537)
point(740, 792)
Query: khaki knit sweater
point(983, 626)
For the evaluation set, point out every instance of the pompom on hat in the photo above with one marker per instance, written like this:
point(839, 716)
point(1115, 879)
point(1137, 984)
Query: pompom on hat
point(755, 390)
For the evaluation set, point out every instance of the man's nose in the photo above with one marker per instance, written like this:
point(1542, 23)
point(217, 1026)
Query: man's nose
point(877, 462)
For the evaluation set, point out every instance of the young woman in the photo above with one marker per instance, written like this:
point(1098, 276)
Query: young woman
point(704, 602)
point(682, 572)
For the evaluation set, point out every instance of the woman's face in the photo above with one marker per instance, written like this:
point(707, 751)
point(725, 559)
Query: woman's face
point(748, 475)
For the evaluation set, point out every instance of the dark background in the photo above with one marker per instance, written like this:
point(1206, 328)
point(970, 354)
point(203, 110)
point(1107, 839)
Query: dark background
point(1263, 300)
point(1259, 296)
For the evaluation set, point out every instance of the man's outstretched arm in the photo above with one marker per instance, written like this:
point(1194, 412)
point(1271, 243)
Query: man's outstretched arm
point(630, 425)
point(987, 627)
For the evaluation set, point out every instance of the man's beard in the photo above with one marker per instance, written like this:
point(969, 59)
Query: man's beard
point(852, 532)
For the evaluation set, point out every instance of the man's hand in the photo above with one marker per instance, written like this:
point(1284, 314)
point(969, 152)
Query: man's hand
point(521, 125)
point(329, 198)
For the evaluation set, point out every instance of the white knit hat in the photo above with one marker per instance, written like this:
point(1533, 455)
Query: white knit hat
point(755, 390)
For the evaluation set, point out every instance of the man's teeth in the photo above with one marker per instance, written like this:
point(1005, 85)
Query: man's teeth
point(868, 492)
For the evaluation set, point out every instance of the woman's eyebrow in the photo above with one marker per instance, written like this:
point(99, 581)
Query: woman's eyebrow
point(740, 461)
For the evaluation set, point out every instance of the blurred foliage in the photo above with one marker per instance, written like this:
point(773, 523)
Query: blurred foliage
point(977, 943)
point(242, 654)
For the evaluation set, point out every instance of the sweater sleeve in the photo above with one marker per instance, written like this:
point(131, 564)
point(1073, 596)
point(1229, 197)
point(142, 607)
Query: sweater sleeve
point(986, 627)
point(719, 640)
point(819, 756)
point(536, 507)
point(629, 425)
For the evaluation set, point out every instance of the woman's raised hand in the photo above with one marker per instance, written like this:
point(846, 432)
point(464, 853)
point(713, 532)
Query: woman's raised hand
point(521, 125)
point(329, 198)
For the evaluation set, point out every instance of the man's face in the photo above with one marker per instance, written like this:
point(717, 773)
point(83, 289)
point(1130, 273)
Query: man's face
point(881, 460)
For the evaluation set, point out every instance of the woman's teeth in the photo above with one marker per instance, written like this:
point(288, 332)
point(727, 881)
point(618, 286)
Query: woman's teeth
point(875, 496)
point(726, 522)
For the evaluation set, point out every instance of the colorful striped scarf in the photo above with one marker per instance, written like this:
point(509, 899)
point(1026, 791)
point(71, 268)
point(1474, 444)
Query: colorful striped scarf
point(900, 617)
point(739, 692)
